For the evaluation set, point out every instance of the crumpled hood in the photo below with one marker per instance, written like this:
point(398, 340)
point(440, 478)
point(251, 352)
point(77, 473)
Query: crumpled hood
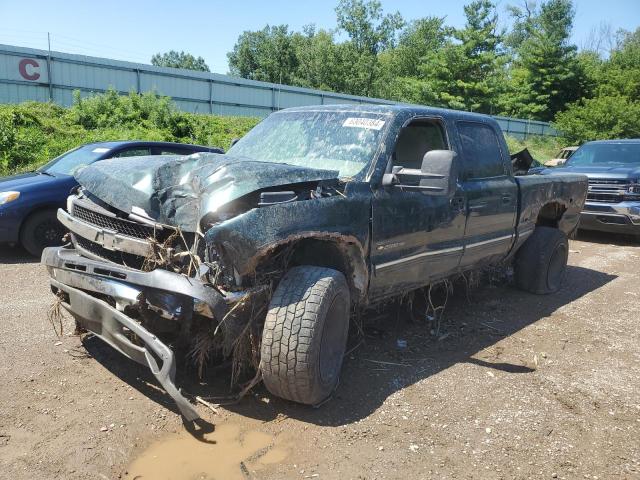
point(179, 191)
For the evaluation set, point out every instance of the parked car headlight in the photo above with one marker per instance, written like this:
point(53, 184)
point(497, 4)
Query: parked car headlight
point(6, 197)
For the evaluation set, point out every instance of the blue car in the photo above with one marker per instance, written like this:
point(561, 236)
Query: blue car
point(29, 201)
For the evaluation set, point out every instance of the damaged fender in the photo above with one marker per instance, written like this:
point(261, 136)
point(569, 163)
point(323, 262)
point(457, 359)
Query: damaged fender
point(245, 241)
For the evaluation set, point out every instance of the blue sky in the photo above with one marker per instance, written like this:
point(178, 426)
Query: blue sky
point(135, 30)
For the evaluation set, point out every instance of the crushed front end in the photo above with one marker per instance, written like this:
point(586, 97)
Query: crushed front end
point(144, 288)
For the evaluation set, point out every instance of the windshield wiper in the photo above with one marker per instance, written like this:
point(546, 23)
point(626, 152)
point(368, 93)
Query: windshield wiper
point(44, 172)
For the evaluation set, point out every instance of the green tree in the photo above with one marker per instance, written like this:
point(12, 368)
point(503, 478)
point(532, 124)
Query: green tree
point(401, 77)
point(267, 55)
point(614, 110)
point(321, 61)
point(370, 32)
point(600, 118)
point(468, 72)
point(176, 59)
point(546, 75)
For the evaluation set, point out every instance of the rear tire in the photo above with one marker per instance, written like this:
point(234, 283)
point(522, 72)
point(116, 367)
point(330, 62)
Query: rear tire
point(40, 230)
point(541, 262)
point(305, 334)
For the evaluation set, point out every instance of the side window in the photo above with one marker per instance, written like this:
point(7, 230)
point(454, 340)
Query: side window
point(482, 156)
point(132, 152)
point(416, 139)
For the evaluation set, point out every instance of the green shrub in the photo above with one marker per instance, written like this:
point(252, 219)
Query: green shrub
point(600, 118)
point(33, 133)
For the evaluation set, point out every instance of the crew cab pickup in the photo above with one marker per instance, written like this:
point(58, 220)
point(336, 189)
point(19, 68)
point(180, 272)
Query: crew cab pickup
point(318, 212)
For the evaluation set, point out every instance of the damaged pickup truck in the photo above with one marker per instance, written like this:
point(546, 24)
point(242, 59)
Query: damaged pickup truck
point(266, 252)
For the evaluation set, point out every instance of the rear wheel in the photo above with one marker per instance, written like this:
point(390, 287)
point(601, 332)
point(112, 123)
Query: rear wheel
point(305, 334)
point(40, 230)
point(541, 262)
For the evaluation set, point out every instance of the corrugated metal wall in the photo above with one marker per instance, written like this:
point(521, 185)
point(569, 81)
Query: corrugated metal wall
point(29, 74)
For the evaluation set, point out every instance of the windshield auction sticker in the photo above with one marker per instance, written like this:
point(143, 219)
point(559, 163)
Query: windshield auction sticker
point(369, 123)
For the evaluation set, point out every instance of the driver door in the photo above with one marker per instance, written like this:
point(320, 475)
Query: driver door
point(417, 237)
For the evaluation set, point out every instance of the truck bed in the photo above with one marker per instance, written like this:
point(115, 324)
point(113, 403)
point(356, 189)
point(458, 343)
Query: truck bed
point(561, 195)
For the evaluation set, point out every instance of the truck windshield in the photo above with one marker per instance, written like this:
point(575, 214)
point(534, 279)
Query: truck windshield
point(72, 161)
point(606, 154)
point(343, 141)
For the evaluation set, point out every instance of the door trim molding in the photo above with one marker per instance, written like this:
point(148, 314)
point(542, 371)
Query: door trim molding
point(491, 240)
point(443, 251)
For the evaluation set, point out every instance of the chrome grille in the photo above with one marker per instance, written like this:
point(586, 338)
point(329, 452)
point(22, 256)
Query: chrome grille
point(121, 258)
point(604, 190)
point(116, 224)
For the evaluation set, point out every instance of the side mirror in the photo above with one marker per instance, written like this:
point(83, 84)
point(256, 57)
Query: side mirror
point(438, 168)
point(437, 175)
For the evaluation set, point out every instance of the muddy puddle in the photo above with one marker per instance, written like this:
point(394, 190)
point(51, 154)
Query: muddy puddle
point(228, 453)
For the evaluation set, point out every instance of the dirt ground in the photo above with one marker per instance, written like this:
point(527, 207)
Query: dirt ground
point(513, 386)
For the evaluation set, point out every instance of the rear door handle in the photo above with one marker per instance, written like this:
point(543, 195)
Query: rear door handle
point(506, 199)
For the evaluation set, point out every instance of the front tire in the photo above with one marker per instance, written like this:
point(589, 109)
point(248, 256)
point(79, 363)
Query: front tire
point(305, 334)
point(40, 230)
point(541, 262)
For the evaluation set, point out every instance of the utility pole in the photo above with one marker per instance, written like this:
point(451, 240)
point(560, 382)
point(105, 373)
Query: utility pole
point(49, 67)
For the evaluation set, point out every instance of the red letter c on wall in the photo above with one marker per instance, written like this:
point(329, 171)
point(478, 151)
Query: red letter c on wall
point(22, 68)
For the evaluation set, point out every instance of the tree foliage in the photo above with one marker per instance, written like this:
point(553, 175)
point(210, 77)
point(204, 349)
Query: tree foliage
point(613, 108)
point(546, 74)
point(467, 72)
point(176, 59)
point(267, 55)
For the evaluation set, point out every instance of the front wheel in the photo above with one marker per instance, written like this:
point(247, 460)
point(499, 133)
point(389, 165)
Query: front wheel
point(541, 262)
point(40, 230)
point(305, 334)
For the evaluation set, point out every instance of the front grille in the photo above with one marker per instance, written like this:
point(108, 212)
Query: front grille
point(605, 197)
point(604, 181)
point(120, 225)
point(121, 258)
point(604, 190)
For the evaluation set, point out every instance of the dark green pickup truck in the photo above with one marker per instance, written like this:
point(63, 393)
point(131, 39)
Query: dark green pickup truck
point(314, 214)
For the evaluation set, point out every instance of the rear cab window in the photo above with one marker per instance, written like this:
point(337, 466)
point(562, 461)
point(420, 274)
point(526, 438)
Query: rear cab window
point(481, 151)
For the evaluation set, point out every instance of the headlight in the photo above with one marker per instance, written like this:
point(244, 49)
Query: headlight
point(6, 197)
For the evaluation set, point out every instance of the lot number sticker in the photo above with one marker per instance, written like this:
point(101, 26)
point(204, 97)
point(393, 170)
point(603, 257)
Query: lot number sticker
point(369, 123)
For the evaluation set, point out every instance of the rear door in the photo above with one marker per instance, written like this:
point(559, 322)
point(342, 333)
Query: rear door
point(491, 193)
point(416, 236)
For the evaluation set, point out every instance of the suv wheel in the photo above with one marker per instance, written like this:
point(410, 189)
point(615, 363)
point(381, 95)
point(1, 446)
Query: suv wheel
point(305, 334)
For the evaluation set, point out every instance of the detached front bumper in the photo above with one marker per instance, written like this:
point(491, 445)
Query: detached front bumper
point(79, 276)
point(621, 217)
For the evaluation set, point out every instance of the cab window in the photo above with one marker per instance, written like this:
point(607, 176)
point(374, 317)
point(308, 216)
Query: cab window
point(415, 140)
point(482, 155)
